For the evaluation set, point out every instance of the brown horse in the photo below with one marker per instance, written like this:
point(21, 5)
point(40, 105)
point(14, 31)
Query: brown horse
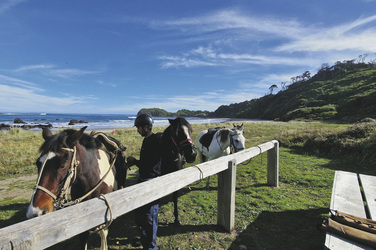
point(177, 149)
point(73, 160)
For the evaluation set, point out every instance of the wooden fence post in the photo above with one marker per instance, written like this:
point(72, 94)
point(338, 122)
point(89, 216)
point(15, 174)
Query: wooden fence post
point(273, 165)
point(226, 196)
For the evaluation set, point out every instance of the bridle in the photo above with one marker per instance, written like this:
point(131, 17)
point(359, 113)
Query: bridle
point(61, 200)
point(232, 144)
point(233, 148)
point(179, 145)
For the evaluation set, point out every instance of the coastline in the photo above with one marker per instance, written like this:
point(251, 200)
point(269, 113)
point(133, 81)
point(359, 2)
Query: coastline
point(108, 127)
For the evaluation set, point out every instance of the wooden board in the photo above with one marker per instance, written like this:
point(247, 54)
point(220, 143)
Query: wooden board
point(346, 197)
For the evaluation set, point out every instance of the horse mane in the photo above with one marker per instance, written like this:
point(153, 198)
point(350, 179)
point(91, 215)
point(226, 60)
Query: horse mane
point(57, 141)
point(224, 133)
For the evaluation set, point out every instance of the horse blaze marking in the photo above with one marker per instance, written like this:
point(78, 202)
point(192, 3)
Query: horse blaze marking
point(50, 156)
point(186, 131)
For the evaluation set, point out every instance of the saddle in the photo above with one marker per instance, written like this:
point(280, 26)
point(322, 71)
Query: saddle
point(207, 138)
point(116, 150)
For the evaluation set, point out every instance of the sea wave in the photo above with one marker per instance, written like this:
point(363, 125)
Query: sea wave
point(92, 121)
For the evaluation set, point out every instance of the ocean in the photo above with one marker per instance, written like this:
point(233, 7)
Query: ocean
point(94, 121)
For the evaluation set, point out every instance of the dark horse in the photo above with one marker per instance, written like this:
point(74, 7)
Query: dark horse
point(177, 148)
point(80, 162)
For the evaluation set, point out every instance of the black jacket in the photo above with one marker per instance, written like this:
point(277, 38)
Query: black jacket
point(150, 158)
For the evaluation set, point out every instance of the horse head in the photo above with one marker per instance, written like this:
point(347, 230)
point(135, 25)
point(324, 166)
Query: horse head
point(237, 139)
point(55, 166)
point(181, 134)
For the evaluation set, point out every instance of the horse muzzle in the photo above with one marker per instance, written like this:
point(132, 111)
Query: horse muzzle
point(190, 155)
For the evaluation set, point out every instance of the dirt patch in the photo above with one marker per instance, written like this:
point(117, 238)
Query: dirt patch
point(17, 188)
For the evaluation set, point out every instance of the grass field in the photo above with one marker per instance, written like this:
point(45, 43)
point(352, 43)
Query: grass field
point(287, 217)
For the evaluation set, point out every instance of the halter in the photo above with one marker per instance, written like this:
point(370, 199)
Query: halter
point(69, 179)
point(232, 144)
point(233, 148)
point(179, 145)
point(61, 200)
point(182, 142)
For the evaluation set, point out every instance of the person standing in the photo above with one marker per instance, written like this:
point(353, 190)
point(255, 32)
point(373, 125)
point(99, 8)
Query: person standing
point(149, 166)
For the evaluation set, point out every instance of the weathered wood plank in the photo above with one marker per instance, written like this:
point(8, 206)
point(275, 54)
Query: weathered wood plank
point(369, 188)
point(273, 165)
point(346, 197)
point(49, 229)
point(226, 197)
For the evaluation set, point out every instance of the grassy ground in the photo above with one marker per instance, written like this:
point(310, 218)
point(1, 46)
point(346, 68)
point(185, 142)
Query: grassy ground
point(287, 217)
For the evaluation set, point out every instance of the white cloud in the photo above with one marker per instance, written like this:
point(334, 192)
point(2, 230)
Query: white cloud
point(17, 82)
point(21, 96)
point(34, 67)
point(52, 71)
point(282, 35)
point(231, 20)
point(349, 36)
point(209, 56)
point(8, 4)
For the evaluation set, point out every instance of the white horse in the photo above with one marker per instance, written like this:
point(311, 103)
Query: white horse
point(214, 143)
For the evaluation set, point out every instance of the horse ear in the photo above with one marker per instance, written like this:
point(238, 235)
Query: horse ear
point(241, 127)
point(73, 139)
point(46, 133)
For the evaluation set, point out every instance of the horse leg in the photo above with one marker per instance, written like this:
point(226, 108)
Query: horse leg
point(176, 213)
point(103, 233)
point(83, 240)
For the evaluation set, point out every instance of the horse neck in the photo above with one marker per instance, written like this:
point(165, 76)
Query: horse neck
point(170, 151)
point(87, 172)
point(226, 143)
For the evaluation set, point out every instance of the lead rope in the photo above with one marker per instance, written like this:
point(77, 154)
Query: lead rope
point(70, 178)
point(108, 223)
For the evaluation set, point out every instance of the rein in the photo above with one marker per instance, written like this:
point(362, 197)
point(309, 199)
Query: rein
point(60, 201)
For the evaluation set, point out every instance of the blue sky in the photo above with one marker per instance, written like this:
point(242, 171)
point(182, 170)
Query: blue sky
point(118, 56)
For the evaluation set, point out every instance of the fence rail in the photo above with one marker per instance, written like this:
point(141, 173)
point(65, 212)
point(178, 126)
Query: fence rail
point(50, 229)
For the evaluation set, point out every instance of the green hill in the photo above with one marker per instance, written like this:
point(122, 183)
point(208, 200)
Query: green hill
point(157, 112)
point(345, 91)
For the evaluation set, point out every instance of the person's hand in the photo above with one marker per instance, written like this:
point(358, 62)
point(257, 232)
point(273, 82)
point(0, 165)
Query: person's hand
point(131, 161)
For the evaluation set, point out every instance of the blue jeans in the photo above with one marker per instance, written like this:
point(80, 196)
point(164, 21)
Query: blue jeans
point(147, 220)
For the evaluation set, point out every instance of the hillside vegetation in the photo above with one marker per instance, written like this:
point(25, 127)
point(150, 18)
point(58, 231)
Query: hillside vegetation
point(157, 112)
point(345, 91)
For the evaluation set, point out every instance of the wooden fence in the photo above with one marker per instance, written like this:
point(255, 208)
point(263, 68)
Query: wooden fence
point(50, 229)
